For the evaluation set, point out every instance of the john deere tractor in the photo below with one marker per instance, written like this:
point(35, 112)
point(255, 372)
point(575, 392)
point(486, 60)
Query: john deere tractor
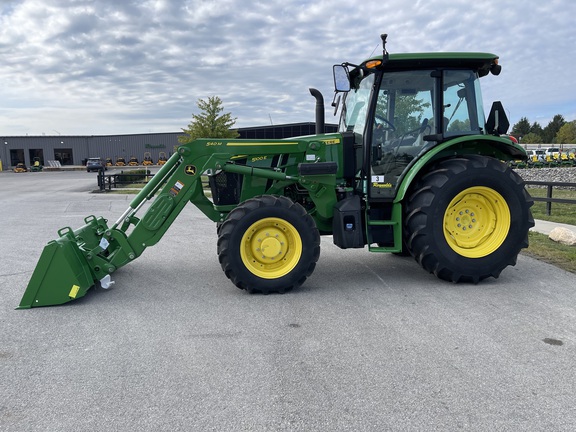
point(414, 169)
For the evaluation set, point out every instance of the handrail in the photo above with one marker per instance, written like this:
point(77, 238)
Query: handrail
point(109, 181)
point(112, 181)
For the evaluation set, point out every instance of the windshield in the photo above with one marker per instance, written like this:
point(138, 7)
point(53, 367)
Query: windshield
point(405, 102)
point(355, 107)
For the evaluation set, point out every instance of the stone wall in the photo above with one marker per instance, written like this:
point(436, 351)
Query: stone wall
point(565, 175)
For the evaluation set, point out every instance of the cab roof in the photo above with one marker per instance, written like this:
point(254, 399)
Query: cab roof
point(478, 61)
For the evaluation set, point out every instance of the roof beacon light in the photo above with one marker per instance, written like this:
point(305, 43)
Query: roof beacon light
point(372, 64)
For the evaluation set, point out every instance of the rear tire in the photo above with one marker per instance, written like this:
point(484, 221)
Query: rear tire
point(268, 244)
point(468, 218)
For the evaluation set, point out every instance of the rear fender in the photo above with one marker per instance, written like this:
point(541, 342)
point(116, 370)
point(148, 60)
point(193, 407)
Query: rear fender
point(500, 148)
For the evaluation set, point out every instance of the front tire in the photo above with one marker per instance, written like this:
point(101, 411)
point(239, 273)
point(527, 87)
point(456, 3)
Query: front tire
point(268, 244)
point(468, 218)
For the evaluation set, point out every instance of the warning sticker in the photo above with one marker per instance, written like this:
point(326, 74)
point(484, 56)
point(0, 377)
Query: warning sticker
point(175, 190)
point(104, 243)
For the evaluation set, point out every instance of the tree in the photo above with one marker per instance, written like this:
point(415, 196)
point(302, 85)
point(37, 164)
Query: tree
point(459, 125)
point(536, 129)
point(209, 123)
point(521, 128)
point(408, 113)
point(552, 128)
point(567, 133)
point(531, 138)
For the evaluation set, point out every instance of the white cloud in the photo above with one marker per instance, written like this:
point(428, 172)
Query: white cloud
point(91, 67)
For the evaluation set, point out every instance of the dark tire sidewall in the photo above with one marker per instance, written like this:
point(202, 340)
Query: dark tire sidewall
point(302, 223)
point(492, 176)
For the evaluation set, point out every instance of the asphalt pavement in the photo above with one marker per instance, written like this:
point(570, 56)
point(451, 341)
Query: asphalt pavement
point(371, 342)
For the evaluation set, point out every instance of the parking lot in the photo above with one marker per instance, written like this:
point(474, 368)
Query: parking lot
point(371, 342)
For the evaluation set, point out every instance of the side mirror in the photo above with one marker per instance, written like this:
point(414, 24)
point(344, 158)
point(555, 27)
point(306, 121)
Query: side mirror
point(497, 123)
point(341, 79)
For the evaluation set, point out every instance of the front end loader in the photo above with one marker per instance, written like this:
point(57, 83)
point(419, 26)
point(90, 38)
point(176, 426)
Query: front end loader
point(414, 169)
point(238, 171)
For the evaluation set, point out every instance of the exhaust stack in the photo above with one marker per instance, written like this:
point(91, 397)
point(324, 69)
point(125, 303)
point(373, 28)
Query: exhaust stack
point(320, 128)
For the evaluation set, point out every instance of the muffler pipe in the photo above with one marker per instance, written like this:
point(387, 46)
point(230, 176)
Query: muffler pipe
point(320, 129)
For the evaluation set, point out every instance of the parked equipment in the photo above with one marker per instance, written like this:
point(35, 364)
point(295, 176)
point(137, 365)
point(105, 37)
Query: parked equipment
point(162, 159)
point(133, 161)
point(414, 169)
point(147, 159)
point(36, 165)
point(20, 168)
point(109, 161)
point(120, 161)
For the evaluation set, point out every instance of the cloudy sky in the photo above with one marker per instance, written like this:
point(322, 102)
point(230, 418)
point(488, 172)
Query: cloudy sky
point(135, 66)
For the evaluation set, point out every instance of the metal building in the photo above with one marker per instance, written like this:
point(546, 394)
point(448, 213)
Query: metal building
point(74, 150)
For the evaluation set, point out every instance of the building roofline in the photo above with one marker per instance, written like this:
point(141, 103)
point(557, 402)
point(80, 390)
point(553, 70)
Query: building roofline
point(154, 133)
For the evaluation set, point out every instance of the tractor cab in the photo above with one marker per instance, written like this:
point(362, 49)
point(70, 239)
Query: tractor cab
point(400, 106)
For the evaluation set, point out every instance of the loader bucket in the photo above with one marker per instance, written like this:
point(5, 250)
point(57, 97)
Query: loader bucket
point(61, 275)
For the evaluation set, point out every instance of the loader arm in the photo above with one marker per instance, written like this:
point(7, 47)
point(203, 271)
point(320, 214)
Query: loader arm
point(70, 265)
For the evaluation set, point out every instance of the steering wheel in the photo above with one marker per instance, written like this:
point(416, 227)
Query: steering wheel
point(386, 125)
point(381, 126)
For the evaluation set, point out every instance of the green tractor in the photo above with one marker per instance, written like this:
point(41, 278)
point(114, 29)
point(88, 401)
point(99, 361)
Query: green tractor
point(414, 169)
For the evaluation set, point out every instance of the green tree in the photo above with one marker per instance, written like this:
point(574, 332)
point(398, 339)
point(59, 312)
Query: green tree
point(521, 128)
point(567, 133)
point(459, 125)
point(408, 114)
point(552, 128)
point(531, 138)
point(210, 123)
point(536, 129)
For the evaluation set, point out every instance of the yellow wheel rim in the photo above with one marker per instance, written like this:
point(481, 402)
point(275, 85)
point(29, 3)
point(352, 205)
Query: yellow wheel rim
point(476, 222)
point(271, 248)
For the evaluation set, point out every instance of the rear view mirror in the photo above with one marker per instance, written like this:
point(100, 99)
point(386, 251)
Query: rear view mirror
point(341, 79)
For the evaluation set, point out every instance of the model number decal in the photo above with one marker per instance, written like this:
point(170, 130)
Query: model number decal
point(214, 143)
point(259, 158)
point(331, 141)
point(378, 181)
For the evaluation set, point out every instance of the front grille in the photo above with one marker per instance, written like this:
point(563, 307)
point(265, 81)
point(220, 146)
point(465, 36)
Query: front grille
point(226, 188)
